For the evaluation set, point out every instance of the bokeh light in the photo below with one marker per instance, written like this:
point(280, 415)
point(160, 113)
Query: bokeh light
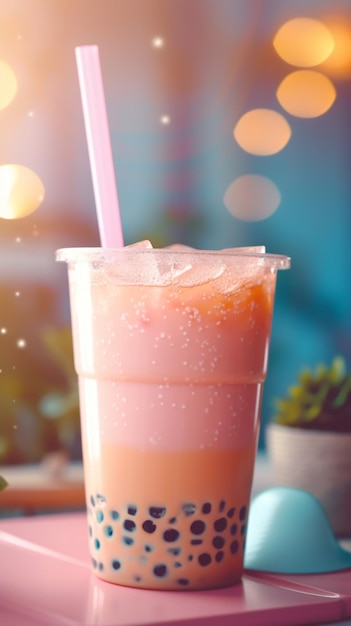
point(339, 62)
point(262, 132)
point(158, 42)
point(8, 84)
point(21, 191)
point(306, 93)
point(252, 198)
point(304, 42)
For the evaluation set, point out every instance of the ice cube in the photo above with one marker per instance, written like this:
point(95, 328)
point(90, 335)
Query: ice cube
point(190, 271)
point(187, 270)
point(134, 269)
point(199, 275)
point(145, 245)
point(247, 249)
point(242, 270)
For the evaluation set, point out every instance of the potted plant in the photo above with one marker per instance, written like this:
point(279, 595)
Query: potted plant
point(309, 440)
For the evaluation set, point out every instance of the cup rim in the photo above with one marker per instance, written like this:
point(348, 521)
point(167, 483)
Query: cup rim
point(108, 255)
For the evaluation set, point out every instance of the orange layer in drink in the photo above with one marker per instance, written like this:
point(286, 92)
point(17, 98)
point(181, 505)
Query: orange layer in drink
point(169, 519)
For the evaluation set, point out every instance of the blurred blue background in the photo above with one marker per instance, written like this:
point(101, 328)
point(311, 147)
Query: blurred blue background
point(179, 76)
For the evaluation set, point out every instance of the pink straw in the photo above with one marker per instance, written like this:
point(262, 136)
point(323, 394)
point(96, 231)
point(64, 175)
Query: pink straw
point(99, 146)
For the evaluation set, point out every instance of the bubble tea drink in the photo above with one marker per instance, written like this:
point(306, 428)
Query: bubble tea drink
point(171, 353)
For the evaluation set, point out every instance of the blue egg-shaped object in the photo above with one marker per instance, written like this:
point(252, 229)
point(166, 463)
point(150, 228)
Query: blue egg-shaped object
point(289, 533)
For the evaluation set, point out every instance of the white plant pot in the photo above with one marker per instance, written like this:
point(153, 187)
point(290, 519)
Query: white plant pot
point(319, 462)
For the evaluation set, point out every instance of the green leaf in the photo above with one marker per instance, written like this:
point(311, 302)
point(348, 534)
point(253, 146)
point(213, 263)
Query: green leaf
point(3, 483)
point(345, 389)
point(321, 399)
point(338, 369)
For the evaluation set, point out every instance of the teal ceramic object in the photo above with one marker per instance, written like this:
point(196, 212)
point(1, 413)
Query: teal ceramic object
point(289, 533)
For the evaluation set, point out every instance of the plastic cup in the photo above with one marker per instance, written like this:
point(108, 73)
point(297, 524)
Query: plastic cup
point(171, 350)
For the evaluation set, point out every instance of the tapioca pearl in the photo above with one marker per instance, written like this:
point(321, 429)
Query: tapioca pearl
point(94, 562)
point(231, 512)
point(234, 546)
point(129, 525)
point(171, 534)
point(198, 527)
point(173, 520)
point(196, 542)
point(99, 517)
point(148, 547)
point(101, 566)
point(90, 531)
point(132, 510)
point(189, 508)
point(242, 513)
point(206, 508)
point(100, 499)
point(190, 557)
point(204, 559)
point(108, 531)
point(234, 529)
point(92, 500)
point(149, 526)
point(157, 511)
point(160, 570)
point(128, 541)
point(116, 564)
point(97, 544)
point(174, 551)
point(220, 524)
point(177, 564)
point(219, 556)
point(183, 581)
point(243, 530)
point(114, 515)
point(221, 506)
point(218, 542)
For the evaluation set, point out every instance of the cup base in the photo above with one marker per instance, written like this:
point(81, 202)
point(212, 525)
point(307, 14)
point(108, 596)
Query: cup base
point(179, 584)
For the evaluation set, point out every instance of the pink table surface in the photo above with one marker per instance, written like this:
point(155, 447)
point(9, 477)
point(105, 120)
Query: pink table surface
point(45, 579)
